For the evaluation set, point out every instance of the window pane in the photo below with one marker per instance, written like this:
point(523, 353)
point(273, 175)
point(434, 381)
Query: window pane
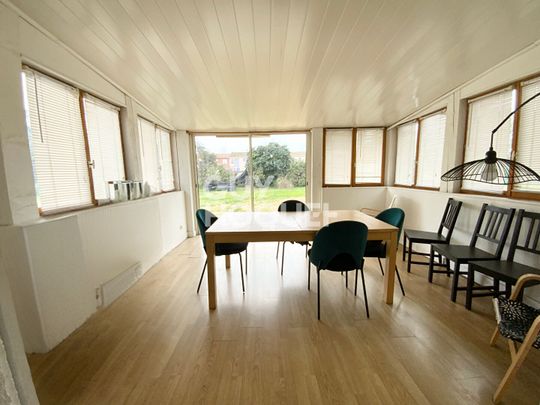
point(166, 172)
point(430, 150)
point(57, 143)
point(406, 153)
point(149, 153)
point(369, 153)
point(485, 114)
point(528, 148)
point(105, 144)
point(338, 156)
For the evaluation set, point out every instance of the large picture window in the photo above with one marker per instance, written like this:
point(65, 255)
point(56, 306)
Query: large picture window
point(75, 143)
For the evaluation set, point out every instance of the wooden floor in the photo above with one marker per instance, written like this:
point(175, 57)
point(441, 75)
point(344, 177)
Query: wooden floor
point(159, 344)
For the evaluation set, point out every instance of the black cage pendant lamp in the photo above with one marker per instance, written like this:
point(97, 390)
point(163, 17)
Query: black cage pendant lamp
point(492, 169)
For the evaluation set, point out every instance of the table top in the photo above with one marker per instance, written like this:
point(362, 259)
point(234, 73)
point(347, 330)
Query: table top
point(255, 222)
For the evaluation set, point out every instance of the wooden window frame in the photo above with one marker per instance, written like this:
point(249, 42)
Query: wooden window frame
point(170, 131)
point(82, 93)
point(353, 182)
point(417, 146)
point(509, 192)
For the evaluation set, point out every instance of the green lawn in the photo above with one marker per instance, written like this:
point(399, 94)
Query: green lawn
point(266, 199)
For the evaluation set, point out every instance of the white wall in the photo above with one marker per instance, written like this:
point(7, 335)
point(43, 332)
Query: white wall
point(54, 279)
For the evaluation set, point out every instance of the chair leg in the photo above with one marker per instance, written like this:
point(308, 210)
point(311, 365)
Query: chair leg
point(308, 275)
point(318, 295)
point(517, 361)
point(355, 281)
point(307, 247)
point(241, 272)
point(202, 275)
point(404, 246)
point(346, 279)
point(409, 257)
point(365, 294)
point(277, 250)
point(448, 270)
point(431, 259)
point(469, 292)
point(246, 261)
point(455, 282)
point(282, 256)
point(494, 336)
point(400, 283)
point(380, 265)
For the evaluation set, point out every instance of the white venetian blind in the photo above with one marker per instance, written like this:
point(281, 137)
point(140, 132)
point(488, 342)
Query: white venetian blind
point(150, 154)
point(430, 150)
point(406, 153)
point(57, 143)
point(528, 148)
point(485, 113)
point(105, 144)
point(165, 155)
point(369, 153)
point(338, 156)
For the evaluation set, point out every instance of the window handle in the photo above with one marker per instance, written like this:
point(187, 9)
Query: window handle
point(92, 164)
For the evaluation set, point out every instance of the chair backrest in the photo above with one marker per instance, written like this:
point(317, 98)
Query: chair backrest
point(449, 218)
point(530, 244)
point(292, 206)
point(394, 217)
point(488, 226)
point(338, 238)
point(205, 219)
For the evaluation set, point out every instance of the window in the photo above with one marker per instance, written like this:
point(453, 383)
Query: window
point(156, 156)
point(353, 156)
point(485, 113)
point(430, 150)
point(105, 144)
point(369, 156)
point(75, 143)
point(528, 141)
point(406, 153)
point(165, 159)
point(57, 143)
point(338, 156)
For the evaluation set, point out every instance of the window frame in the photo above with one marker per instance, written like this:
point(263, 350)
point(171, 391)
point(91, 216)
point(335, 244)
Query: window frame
point(353, 182)
point(417, 147)
point(509, 192)
point(158, 149)
point(81, 93)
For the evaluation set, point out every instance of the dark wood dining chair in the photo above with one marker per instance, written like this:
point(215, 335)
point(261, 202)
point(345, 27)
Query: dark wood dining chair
point(291, 206)
point(443, 234)
point(508, 271)
point(493, 226)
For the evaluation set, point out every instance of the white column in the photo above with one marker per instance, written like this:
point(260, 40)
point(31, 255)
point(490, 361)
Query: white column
point(315, 182)
point(17, 191)
point(186, 177)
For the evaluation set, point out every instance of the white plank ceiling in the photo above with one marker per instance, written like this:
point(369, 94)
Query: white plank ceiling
point(288, 64)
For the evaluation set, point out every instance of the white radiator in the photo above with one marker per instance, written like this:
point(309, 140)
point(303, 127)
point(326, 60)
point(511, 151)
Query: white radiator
point(114, 288)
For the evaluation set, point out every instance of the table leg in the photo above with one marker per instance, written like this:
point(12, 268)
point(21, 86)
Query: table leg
point(389, 274)
point(227, 262)
point(210, 254)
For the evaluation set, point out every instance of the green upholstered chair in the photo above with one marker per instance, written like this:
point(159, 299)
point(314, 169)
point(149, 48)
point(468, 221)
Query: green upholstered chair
point(375, 248)
point(204, 220)
point(339, 247)
point(290, 206)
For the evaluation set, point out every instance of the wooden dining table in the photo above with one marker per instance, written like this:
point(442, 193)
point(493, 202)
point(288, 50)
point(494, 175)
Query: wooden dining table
point(237, 227)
